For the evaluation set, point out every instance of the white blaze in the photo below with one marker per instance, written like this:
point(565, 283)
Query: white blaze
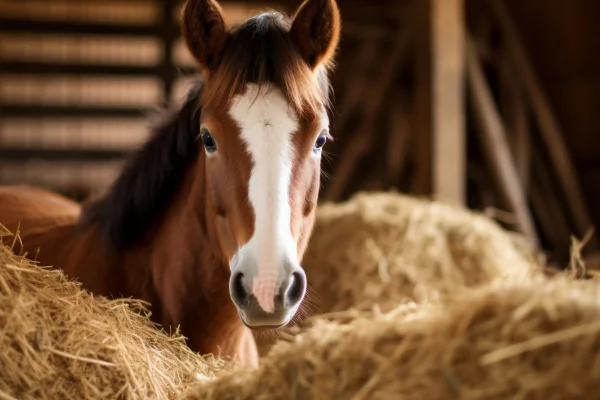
point(267, 125)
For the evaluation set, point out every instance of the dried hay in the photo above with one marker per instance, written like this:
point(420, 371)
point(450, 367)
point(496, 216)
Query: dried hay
point(382, 249)
point(538, 339)
point(59, 342)
point(388, 248)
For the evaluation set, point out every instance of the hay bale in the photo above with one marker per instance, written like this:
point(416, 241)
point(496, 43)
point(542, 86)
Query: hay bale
point(59, 342)
point(387, 248)
point(535, 339)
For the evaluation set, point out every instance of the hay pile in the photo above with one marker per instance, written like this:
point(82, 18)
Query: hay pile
point(58, 342)
point(537, 340)
point(382, 249)
point(387, 248)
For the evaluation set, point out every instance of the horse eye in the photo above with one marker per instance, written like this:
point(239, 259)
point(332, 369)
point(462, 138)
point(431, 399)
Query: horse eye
point(209, 142)
point(321, 140)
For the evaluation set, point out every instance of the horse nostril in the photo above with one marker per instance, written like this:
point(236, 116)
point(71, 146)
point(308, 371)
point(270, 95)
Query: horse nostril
point(238, 292)
point(296, 290)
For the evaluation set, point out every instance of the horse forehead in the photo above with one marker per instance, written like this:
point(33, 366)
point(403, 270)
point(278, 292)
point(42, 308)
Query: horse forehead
point(263, 109)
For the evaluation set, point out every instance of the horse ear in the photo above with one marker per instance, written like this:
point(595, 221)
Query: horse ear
point(316, 31)
point(205, 31)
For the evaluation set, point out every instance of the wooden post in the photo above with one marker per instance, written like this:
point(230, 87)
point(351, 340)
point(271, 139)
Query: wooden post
point(496, 145)
point(448, 116)
point(422, 182)
point(549, 127)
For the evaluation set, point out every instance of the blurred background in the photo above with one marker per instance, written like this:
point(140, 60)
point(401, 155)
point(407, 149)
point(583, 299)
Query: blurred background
point(487, 104)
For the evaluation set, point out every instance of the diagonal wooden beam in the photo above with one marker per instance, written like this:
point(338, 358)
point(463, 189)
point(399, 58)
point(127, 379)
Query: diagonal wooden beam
point(550, 130)
point(495, 143)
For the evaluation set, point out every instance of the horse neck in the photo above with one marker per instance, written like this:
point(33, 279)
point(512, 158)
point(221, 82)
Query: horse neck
point(189, 272)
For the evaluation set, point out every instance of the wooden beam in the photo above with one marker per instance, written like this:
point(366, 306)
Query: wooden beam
point(449, 142)
point(38, 111)
point(496, 145)
point(43, 68)
point(550, 130)
point(548, 210)
point(16, 24)
point(422, 179)
point(16, 154)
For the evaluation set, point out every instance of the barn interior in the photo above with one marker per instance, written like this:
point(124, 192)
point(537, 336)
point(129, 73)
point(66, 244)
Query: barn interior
point(489, 105)
point(457, 215)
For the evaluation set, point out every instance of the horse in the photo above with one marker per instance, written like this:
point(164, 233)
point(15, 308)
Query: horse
point(209, 219)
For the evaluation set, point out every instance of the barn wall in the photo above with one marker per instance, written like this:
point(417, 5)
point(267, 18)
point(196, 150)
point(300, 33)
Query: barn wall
point(563, 39)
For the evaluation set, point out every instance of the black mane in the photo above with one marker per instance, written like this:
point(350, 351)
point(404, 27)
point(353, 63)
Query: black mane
point(150, 179)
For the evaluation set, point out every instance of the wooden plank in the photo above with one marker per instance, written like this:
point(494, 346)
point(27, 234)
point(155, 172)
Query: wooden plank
point(76, 27)
point(171, 32)
point(522, 141)
point(548, 211)
point(42, 68)
point(77, 154)
point(20, 111)
point(493, 136)
point(551, 133)
point(448, 116)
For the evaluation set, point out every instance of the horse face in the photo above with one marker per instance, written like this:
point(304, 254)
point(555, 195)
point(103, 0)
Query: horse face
point(263, 152)
point(263, 173)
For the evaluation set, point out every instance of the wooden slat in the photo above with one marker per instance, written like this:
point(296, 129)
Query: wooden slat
point(44, 68)
point(550, 130)
point(80, 49)
point(80, 91)
point(20, 111)
point(73, 133)
point(24, 25)
point(91, 175)
point(496, 145)
point(448, 113)
point(133, 12)
point(23, 154)
point(548, 211)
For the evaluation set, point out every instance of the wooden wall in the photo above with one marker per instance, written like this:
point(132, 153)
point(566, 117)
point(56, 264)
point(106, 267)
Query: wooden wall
point(563, 40)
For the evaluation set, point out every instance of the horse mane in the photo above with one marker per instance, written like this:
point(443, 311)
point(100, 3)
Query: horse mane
point(150, 178)
point(260, 51)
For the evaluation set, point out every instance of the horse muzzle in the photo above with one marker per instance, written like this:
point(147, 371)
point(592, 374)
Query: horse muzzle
point(267, 302)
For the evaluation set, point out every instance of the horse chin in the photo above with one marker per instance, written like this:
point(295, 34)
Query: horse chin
point(263, 327)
